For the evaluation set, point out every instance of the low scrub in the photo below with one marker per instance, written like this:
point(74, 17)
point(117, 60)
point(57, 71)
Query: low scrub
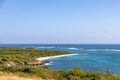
point(48, 74)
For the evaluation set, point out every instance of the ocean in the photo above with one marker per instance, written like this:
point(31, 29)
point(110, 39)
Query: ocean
point(92, 57)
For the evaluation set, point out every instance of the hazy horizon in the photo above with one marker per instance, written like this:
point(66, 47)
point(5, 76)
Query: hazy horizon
point(59, 22)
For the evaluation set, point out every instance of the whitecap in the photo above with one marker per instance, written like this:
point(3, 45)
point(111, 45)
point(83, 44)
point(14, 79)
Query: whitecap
point(116, 50)
point(50, 63)
point(73, 48)
point(46, 47)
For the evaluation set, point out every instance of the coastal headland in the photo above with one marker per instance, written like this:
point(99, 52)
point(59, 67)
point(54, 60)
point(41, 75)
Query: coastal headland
point(12, 56)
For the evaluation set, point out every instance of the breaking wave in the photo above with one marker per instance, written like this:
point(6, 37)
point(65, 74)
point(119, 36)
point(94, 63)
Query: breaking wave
point(114, 50)
point(46, 47)
point(75, 48)
point(50, 63)
point(117, 50)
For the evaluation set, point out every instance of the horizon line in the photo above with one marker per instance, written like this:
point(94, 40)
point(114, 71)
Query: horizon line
point(58, 43)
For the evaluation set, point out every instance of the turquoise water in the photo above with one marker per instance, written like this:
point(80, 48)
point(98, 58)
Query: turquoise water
point(91, 57)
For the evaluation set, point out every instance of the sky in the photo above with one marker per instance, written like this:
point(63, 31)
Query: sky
point(59, 21)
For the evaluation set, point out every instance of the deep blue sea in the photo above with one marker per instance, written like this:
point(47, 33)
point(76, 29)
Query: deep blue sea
point(92, 57)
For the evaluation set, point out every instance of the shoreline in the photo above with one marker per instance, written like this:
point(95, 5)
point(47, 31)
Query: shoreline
point(39, 61)
point(58, 56)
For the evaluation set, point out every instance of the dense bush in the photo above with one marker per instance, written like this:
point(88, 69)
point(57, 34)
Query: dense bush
point(25, 54)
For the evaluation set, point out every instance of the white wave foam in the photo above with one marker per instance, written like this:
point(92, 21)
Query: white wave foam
point(73, 48)
point(46, 47)
point(112, 50)
point(116, 50)
point(50, 63)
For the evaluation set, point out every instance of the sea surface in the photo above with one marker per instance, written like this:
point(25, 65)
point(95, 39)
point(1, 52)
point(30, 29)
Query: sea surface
point(92, 57)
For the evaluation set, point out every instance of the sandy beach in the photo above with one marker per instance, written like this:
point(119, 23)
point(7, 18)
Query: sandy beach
point(45, 58)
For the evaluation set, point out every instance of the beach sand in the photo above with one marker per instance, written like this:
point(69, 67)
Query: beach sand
point(49, 57)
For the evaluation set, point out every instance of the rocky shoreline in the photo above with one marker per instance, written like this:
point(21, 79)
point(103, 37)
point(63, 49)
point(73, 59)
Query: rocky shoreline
point(37, 63)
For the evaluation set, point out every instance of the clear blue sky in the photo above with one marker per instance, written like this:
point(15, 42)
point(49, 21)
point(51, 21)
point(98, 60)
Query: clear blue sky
point(60, 21)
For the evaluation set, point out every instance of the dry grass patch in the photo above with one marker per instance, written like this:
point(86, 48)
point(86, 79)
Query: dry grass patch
point(10, 76)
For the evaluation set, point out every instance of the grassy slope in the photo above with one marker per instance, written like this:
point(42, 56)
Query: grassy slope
point(10, 76)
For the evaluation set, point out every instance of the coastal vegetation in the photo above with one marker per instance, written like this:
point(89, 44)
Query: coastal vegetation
point(25, 72)
point(44, 73)
point(22, 56)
